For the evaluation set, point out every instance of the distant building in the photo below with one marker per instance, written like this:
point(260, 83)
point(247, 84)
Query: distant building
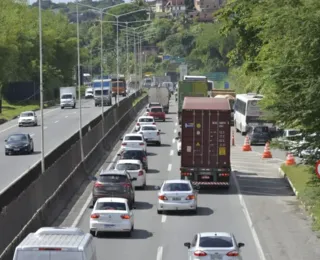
point(174, 7)
point(205, 9)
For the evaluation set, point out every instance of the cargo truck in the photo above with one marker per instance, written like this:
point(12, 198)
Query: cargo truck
point(68, 97)
point(191, 88)
point(158, 80)
point(227, 94)
point(205, 142)
point(161, 95)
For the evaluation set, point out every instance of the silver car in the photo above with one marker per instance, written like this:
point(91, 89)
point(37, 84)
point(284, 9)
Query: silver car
point(214, 246)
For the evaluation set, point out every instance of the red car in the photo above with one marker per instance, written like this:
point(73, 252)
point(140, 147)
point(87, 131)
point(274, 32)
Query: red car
point(157, 113)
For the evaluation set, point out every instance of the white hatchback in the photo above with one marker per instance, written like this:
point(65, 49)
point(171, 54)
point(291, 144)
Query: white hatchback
point(28, 118)
point(151, 134)
point(111, 215)
point(135, 168)
point(175, 195)
point(133, 141)
point(144, 120)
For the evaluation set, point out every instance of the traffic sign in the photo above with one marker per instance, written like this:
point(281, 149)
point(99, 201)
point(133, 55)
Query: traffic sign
point(226, 85)
point(318, 169)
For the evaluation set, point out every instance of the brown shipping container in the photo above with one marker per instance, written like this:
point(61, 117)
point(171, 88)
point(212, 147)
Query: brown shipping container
point(205, 133)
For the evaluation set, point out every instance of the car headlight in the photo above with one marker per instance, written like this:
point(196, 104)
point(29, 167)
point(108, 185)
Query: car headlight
point(26, 145)
point(7, 146)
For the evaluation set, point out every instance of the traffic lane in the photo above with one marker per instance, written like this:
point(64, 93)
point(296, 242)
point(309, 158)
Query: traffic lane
point(218, 210)
point(145, 240)
point(283, 230)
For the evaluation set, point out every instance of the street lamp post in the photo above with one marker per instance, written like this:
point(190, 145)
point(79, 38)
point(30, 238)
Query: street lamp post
point(127, 45)
point(41, 88)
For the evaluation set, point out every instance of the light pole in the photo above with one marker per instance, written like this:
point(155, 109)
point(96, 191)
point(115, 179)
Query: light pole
point(127, 45)
point(41, 88)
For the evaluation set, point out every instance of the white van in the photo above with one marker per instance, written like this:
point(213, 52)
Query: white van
point(51, 243)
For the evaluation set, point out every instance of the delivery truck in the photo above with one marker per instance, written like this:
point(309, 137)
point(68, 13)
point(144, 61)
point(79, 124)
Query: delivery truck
point(161, 95)
point(227, 94)
point(205, 142)
point(68, 97)
point(190, 88)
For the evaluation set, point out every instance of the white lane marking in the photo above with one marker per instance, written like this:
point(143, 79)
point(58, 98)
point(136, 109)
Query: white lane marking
point(163, 218)
point(175, 130)
point(56, 121)
point(171, 152)
point(75, 112)
point(66, 116)
point(248, 218)
point(173, 140)
point(45, 127)
point(88, 201)
point(15, 125)
point(169, 167)
point(176, 124)
point(159, 253)
point(31, 135)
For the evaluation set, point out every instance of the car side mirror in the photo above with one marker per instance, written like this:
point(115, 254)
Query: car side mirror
point(177, 138)
point(92, 178)
point(240, 245)
point(5, 140)
point(159, 130)
point(187, 244)
point(133, 179)
point(118, 154)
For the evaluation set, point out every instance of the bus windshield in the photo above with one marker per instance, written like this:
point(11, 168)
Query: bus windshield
point(253, 108)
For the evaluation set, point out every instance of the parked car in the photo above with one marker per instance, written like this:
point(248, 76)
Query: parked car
point(114, 183)
point(133, 141)
point(28, 118)
point(157, 113)
point(144, 120)
point(18, 144)
point(111, 215)
point(151, 134)
point(135, 154)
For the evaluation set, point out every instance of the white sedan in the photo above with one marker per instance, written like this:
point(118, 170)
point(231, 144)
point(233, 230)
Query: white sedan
point(151, 134)
point(175, 195)
point(144, 120)
point(133, 141)
point(135, 169)
point(28, 118)
point(111, 215)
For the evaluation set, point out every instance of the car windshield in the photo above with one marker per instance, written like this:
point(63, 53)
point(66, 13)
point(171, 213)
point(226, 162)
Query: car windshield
point(26, 114)
point(67, 96)
point(98, 92)
point(110, 206)
point(146, 120)
point(14, 138)
point(133, 138)
point(132, 154)
point(127, 166)
point(176, 187)
point(148, 128)
point(154, 104)
point(216, 241)
point(156, 109)
point(261, 129)
point(114, 178)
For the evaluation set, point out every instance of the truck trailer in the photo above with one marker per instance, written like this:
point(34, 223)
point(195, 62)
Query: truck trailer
point(205, 142)
point(161, 95)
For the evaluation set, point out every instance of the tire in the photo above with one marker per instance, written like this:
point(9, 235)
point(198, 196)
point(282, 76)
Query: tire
point(5, 153)
point(35, 124)
point(147, 169)
point(159, 144)
point(195, 211)
point(144, 186)
point(93, 233)
point(179, 153)
point(163, 120)
point(235, 126)
point(159, 212)
point(74, 106)
point(19, 125)
point(62, 107)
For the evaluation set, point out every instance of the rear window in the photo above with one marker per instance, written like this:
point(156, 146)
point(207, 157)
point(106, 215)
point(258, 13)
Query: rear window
point(146, 120)
point(156, 109)
point(215, 242)
point(133, 138)
point(114, 178)
point(111, 206)
point(132, 154)
point(262, 129)
point(127, 166)
point(149, 128)
point(154, 104)
point(67, 96)
point(176, 187)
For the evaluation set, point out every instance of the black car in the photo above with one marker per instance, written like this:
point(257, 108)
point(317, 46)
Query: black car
point(258, 134)
point(18, 144)
point(138, 154)
point(114, 183)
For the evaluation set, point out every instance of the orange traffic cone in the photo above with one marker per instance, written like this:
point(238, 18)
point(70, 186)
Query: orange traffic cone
point(266, 153)
point(290, 159)
point(246, 146)
point(233, 142)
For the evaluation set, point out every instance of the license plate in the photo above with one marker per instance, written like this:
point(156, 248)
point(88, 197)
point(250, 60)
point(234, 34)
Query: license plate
point(112, 188)
point(16, 150)
point(176, 198)
point(216, 257)
point(109, 225)
point(205, 177)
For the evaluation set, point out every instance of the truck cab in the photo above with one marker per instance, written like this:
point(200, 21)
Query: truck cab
point(67, 100)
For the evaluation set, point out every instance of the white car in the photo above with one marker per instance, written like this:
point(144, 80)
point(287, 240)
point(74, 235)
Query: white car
point(28, 118)
point(144, 120)
point(177, 195)
point(151, 134)
point(111, 215)
point(135, 168)
point(133, 141)
point(178, 138)
point(214, 245)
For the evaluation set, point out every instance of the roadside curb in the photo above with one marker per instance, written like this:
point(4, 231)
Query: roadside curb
point(306, 207)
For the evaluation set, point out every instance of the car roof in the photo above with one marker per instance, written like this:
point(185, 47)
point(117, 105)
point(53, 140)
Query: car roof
point(156, 107)
point(128, 148)
point(27, 112)
point(153, 103)
point(129, 161)
point(113, 172)
point(18, 134)
point(218, 234)
point(149, 125)
point(150, 117)
point(133, 134)
point(112, 200)
point(177, 181)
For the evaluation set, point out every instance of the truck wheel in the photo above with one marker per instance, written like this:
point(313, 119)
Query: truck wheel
point(179, 153)
point(164, 120)
point(235, 126)
point(62, 107)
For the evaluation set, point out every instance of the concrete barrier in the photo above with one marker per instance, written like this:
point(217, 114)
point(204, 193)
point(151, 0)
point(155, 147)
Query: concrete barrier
point(42, 202)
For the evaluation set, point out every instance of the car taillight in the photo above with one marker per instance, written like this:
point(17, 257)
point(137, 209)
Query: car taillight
point(140, 173)
point(224, 174)
point(158, 133)
point(233, 253)
point(98, 185)
point(153, 123)
point(125, 216)
point(95, 216)
point(200, 253)
point(124, 144)
point(162, 197)
point(141, 143)
point(190, 197)
point(126, 185)
point(185, 174)
point(144, 159)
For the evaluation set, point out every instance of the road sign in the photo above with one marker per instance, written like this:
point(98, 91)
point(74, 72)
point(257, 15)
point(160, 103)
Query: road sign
point(226, 85)
point(166, 57)
point(177, 60)
point(183, 71)
point(318, 169)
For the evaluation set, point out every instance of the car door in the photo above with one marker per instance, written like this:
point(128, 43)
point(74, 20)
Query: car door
point(30, 141)
point(131, 190)
point(192, 248)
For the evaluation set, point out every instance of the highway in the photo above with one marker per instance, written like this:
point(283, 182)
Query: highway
point(59, 125)
point(259, 208)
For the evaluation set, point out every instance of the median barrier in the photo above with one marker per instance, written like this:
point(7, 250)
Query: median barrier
point(42, 202)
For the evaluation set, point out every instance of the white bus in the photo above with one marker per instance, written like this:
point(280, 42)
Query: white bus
point(195, 78)
point(248, 113)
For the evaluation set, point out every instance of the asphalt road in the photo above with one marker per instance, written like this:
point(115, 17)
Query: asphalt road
point(59, 125)
point(259, 209)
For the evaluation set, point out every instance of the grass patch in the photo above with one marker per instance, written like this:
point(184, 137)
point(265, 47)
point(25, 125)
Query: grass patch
point(307, 184)
point(135, 102)
point(9, 111)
